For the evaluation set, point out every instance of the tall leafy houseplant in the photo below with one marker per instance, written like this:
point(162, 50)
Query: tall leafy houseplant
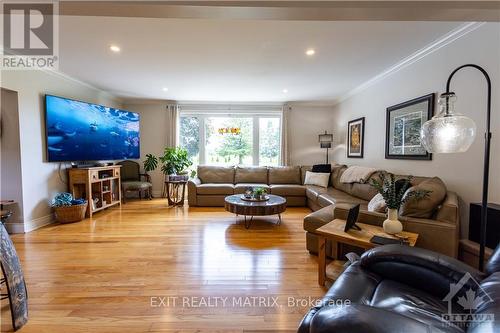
point(150, 163)
point(395, 195)
point(174, 161)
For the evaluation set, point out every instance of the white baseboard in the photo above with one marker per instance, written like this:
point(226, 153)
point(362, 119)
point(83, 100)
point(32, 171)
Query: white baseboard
point(157, 194)
point(38, 222)
point(14, 228)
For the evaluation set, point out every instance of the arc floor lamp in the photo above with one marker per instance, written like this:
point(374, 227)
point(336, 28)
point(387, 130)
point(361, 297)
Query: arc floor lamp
point(451, 132)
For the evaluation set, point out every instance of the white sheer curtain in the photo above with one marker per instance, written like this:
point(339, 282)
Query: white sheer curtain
point(285, 116)
point(172, 125)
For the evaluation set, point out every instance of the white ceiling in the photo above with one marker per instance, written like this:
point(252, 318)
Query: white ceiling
point(235, 60)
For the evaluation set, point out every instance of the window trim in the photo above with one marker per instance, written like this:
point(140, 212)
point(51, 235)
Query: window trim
point(237, 114)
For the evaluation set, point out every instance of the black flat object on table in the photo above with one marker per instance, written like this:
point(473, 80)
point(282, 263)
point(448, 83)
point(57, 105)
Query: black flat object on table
point(384, 240)
point(352, 218)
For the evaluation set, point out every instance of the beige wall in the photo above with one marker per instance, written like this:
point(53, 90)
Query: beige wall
point(305, 124)
point(153, 134)
point(40, 180)
point(10, 158)
point(461, 172)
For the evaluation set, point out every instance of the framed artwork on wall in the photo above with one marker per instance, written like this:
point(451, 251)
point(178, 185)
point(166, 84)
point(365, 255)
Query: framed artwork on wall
point(403, 124)
point(356, 138)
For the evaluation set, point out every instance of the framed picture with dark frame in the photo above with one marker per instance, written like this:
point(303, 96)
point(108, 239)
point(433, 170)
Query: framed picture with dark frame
point(356, 138)
point(403, 124)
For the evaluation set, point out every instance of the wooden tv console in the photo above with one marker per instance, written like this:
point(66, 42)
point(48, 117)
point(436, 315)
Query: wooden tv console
point(100, 186)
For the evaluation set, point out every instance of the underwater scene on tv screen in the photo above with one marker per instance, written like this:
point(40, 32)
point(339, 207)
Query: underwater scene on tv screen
point(79, 131)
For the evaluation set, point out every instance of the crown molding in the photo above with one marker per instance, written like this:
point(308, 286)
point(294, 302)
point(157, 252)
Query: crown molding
point(450, 37)
point(64, 76)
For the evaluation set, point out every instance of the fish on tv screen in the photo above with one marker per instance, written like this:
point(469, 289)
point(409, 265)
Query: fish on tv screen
point(79, 131)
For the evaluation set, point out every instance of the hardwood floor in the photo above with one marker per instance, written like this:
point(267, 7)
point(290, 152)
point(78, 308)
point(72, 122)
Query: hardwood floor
point(114, 273)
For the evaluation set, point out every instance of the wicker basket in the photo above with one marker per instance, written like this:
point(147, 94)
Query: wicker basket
point(68, 214)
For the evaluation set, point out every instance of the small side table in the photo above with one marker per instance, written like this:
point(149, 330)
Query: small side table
point(334, 231)
point(176, 191)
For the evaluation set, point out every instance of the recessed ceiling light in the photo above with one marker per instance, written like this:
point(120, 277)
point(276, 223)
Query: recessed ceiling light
point(285, 91)
point(164, 89)
point(310, 52)
point(114, 48)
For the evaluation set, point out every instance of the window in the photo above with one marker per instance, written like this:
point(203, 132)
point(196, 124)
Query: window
point(218, 139)
point(189, 136)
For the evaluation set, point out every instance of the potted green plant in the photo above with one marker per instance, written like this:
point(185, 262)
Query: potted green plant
point(259, 193)
point(175, 161)
point(67, 209)
point(395, 195)
point(150, 163)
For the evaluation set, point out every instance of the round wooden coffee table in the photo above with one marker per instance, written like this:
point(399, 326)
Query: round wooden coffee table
point(275, 205)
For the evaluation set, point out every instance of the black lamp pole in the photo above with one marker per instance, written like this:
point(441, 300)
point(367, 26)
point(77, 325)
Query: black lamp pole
point(486, 172)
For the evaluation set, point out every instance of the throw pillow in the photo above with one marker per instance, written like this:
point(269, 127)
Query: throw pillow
point(425, 207)
point(377, 204)
point(322, 168)
point(317, 178)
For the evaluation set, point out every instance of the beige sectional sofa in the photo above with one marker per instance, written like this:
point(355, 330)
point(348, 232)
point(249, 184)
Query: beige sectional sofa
point(215, 183)
point(438, 232)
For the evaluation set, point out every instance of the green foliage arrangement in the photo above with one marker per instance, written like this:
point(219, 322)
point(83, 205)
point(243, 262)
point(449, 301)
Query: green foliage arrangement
point(258, 191)
point(150, 163)
point(393, 191)
point(174, 160)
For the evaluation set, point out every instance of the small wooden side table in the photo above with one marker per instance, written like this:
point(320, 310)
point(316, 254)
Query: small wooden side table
point(334, 231)
point(176, 191)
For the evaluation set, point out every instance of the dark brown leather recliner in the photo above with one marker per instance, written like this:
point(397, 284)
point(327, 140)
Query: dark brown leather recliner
point(397, 288)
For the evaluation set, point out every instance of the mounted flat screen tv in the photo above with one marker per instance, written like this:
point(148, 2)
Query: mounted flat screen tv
point(80, 131)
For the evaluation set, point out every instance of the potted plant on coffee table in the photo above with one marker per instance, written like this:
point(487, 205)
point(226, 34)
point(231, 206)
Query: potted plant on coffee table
point(259, 193)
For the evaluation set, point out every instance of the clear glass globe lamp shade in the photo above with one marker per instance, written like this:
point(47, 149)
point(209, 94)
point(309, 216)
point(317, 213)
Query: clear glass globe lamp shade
point(448, 131)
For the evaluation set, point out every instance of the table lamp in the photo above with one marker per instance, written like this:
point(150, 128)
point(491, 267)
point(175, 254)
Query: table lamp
point(325, 141)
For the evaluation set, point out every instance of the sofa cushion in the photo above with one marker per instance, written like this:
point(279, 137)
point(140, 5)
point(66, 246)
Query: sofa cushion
point(240, 188)
point(214, 188)
point(216, 174)
point(303, 171)
point(284, 175)
point(425, 207)
point(250, 175)
point(334, 196)
point(129, 185)
point(317, 178)
point(325, 200)
point(288, 190)
point(397, 297)
point(319, 218)
point(322, 168)
point(312, 191)
point(377, 204)
point(365, 191)
point(337, 171)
